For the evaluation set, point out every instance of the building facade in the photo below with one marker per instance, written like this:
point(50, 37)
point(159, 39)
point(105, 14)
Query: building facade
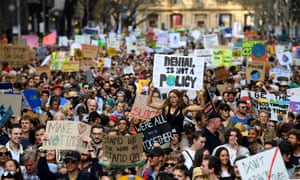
point(170, 14)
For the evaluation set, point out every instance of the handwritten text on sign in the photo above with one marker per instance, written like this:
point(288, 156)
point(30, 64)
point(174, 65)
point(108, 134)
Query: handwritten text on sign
point(17, 56)
point(156, 129)
point(65, 135)
point(265, 165)
point(180, 72)
point(122, 151)
point(140, 109)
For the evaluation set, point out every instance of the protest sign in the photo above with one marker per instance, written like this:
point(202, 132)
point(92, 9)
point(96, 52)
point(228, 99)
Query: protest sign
point(78, 54)
point(6, 87)
point(13, 100)
point(179, 72)
point(113, 43)
point(276, 104)
point(140, 109)
point(222, 57)
point(57, 59)
point(50, 39)
point(83, 39)
point(247, 47)
point(17, 56)
point(122, 151)
point(265, 165)
point(70, 66)
point(32, 40)
point(65, 135)
point(140, 45)
point(285, 58)
point(174, 39)
point(157, 129)
point(256, 71)
point(259, 52)
point(142, 85)
point(89, 51)
point(87, 64)
point(237, 56)
point(63, 41)
point(73, 47)
point(131, 46)
point(205, 54)
point(32, 98)
point(41, 69)
point(210, 40)
point(294, 93)
point(104, 62)
point(278, 73)
point(221, 73)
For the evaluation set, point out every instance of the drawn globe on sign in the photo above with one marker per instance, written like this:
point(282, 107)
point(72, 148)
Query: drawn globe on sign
point(285, 58)
point(255, 75)
point(258, 50)
point(171, 80)
point(55, 140)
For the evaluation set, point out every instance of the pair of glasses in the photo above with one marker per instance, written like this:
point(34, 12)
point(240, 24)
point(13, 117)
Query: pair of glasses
point(126, 78)
point(8, 174)
point(70, 161)
point(170, 164)
point(226, 110)
point(243, 107)
point(4, 153)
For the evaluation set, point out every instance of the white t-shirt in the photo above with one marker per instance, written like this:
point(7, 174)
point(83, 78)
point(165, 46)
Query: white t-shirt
point(189, 157)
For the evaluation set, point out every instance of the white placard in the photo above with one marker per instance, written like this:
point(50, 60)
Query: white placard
point(210, 40)
point(174, 39)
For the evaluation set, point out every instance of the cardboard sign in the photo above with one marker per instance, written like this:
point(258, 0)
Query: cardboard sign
point(156, 129)
point(140, 109)
point(178, 72)
point(221, 73)
point(65, 135)
point(17, 56)
point(13, 100)
point(264, 166)
point(294, 93)
point(122, 151)
point(89, 51)
point(256, 71)
point(70, 66)
point(87, 64)
point(210, 40)
point(41, 69)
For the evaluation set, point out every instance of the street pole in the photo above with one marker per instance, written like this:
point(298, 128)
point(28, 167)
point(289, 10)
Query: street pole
point(44, 17)
point(87, 12)
point(19, 20)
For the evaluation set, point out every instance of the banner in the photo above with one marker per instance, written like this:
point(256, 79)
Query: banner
point(276, 104)
point(265, 165)
point(157, 129)
point(122, 151)
point(65, 135)
point(178, 72)
point(140, 109)
point(256, 71)
point(17, 56)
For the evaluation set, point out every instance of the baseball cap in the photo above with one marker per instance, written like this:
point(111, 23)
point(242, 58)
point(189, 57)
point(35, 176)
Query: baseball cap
point(73, 155)
point(156, 151)
point(213, 115)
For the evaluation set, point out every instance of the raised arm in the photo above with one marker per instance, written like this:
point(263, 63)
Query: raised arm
point(151, 103)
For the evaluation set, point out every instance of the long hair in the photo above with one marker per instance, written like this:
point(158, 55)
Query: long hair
point(199, 157)
point(178, 93)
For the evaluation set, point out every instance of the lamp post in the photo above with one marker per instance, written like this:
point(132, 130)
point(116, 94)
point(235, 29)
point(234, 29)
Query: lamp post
point(19, 19)
point(12, 8)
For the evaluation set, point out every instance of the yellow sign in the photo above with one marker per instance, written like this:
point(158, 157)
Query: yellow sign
point(111, 52)
point(78, 54)
point(71, 66)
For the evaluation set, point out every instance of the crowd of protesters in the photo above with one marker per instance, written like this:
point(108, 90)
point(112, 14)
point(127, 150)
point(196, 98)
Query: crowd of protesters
point(206, 147)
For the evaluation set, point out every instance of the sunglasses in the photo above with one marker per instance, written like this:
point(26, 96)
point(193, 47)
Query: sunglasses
point(226, 110)
point(70, 161)
point(170, 164)
point(8, 174)
point(4, 153)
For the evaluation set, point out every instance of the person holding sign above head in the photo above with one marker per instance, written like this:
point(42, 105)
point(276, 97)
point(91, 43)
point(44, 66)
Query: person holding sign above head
point(174, 108)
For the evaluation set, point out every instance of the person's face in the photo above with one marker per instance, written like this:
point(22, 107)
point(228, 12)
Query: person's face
point(224, 157)
point(3, 155)
point(252, 135)
point(38, 136)
point(16, 135)
point(92, 105)
point(30, 165)
point(204, 167)
point(85, 88)
point(293, 140)
point(26, 125)
point(174, 99)
point(154, 160)
point(84, 157)
point(120, 107)
point(200, 142)
point(179, 174)
point(156, 95)
point(170, 164)
point(218, 122)
point(51, 155)
point(230, 97)
point(225, 113)
point(120, 98)
point(122, 126)
point(57, 91)
point(263, 118)
point(55, 105)
point(225, 97)
point(175, 139)
point(232, 138)
point(71, 165)
point(242, 108)
point(284, 135)
point(236, 170)
point(37, 79)
point(10, 166)
point(96, 135)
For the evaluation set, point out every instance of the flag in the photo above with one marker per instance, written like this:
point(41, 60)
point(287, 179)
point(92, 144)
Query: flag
point(33, 99)
point(50, 39)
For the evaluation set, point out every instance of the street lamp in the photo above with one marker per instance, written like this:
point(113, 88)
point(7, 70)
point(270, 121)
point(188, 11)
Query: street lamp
point(11, 9)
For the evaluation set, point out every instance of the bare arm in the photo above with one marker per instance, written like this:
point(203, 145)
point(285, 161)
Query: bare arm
point(152, 104)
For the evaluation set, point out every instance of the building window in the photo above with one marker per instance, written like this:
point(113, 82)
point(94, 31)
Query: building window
point(176, 20)
point(225, 20)
point(200, 19)
point(152, 19)
point(249, 20)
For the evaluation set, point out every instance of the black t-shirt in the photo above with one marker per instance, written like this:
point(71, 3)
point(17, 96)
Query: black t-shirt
point(212, 140)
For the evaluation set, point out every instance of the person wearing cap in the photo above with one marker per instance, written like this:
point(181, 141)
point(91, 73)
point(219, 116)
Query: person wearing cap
point(94, 118)
point(283, 86)
point(197, 174)
point(155, 158)
point(213, 137)
point(240, 114)
point(57, 90)
point(72, 160)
